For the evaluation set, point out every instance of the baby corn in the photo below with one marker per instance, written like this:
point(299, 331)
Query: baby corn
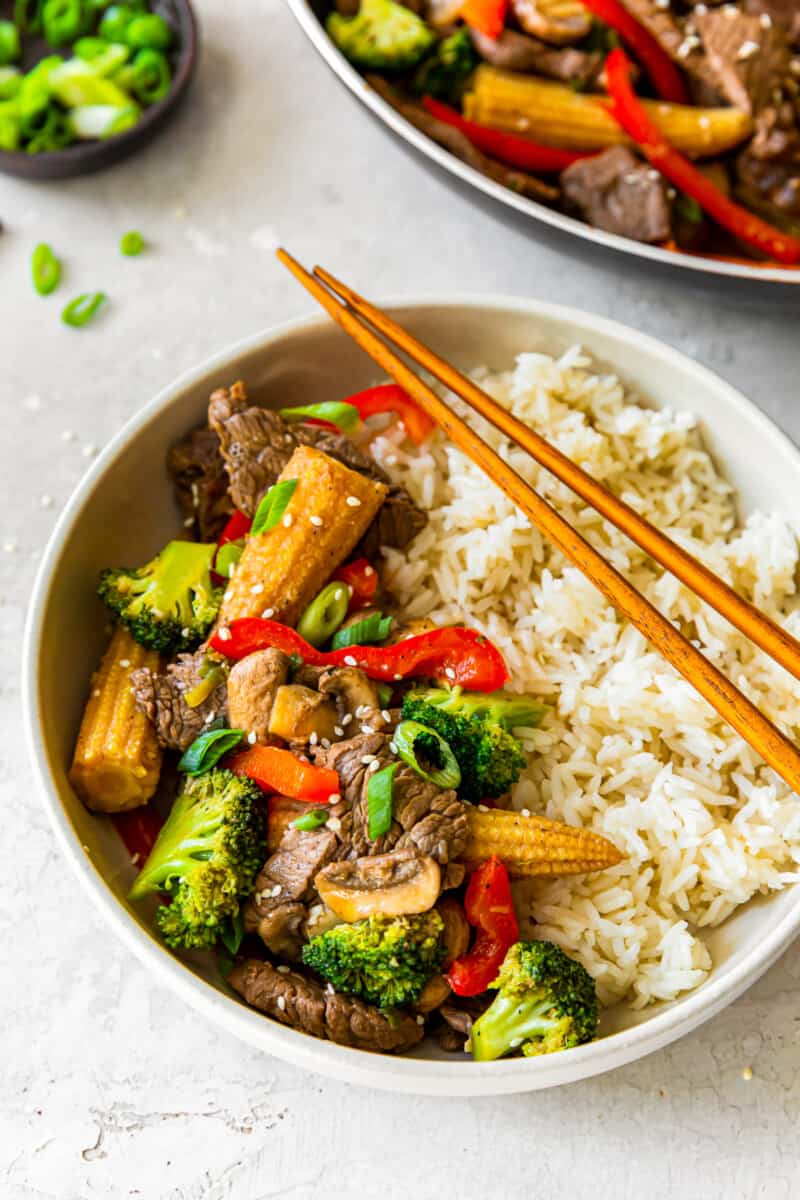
point(532, 845)
point(282, 569)
point(117, 759)
point(554, 114)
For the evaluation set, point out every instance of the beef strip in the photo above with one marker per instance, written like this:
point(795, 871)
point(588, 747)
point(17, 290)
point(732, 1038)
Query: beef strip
point(459, 146)
point(160, 698)
point(256, 445)
point(514, 51)
point(252, 684)
point(427, 819)
point(679, 41)
point(783, 13)
point(200, 482)
point(277, 908)
point(750, 61)
point(294, 1000)
point(768, 170)
point(616, 192)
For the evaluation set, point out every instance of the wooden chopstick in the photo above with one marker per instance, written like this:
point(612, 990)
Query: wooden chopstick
point(728, 701)
point(778, 643)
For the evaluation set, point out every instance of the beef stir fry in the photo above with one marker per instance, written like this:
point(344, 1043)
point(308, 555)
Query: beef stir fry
point(670, 123)
point(341, 832)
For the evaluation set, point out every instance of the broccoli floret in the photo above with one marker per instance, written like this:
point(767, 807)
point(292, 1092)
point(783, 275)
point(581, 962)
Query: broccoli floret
point(205, 858)
point(385, 960)
point(445, 72)
point(382, 36)
point(476, 726)
point(545, 1002)
point(170, 603)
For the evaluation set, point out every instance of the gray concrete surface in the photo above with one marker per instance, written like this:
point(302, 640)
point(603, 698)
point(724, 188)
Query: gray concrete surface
point(108, 1086)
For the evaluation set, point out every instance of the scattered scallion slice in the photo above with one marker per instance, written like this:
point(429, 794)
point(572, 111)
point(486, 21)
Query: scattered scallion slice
point(91, 121)
point(325, 613)
point(82, 308)
point(232, 933)
point(343, 416)
point(311, 820)
point(207, 749)
point(428, 753)
point(385, 693)
point(272, 507)
point(380, 797)
point(131, 244)
point(46, 269)
point(10, 47)
point(10, 83)
point(374, 628)
point(201, 691)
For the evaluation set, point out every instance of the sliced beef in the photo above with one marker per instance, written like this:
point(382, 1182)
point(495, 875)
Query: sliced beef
point(294, 1000)
point(783, 13)
point(201, 484)
point(514, 51)
point(679, 40)
point(256, 444)
point(459, 146)
point(252, 684)
point(749, 58)
point(616, 192)
point(160, 698)
point(426, 818)
point(768, 170)
point(277, 909)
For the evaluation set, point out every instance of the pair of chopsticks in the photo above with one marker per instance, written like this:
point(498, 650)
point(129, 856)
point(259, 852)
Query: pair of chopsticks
point(349, 309)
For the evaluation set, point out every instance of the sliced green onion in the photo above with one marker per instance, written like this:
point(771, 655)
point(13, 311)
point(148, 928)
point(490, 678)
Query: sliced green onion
point(209, 682)
point(62, 21)
point(9, 131)
point(273, 505)
point(688, 208)
point(380, 797)
point(227, 557)
point(207, 749)
point(10, 45)
point(10, 82)
point(366, 632)
point(115, 22)
point(82, 308)
point(148, 31)
point(46, 269)
point(131, 244)
point(104, 57)
point(385, 693)
point(311, 820)
point(148, 77)
point(47, 130)
point(343, 416)
point(414, 741)
point(324, 614)
point(28, 15)
point(232, 933)
point(75, 84)
point(101, 120)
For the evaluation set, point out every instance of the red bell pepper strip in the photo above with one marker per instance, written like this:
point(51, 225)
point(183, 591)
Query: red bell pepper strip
point(490, 908)
point(508, 148)
point(636, 122)
point(487, 16)
point(236, 528)
point(138, 828)
point(281, 774)
point(458, 656)
point(362, 579)
point(391, 398)
point(664, 75)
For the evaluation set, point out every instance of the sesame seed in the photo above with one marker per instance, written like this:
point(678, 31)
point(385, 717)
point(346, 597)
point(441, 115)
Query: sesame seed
point(393, 747)
point(483, 808)
point(267, 613)
point(325, 743)
point(224, 634)
point(765, 21)
point(515, 1043)
point(256, 589)
point(450, 673)
point(703, 121)
point(124, 662)
point(185, 631)
point(210, 717)
point(334, 823)
point(276, 891)
point(366, 759)
point(398, 676)
point(420, 1019)
point(46, 501)
point(251, 737)
point(369, 571)
point(287, 437)
point(746, 50)
point(373, 767)
point(387, 716)
point(349, 660)
point(353, 501)
point(96, 692)
point(367, 729)
point(337, 729)
point(391, 460)
point(282, 969)
point(347, 718)
point(334, 798)
point(226, 595)
point(316, 521)
point(314, 738)
point(525, 812)
point(287, 520)
point(188, 522)
point(135, 858)
point(362, 708)
point(282, 1003)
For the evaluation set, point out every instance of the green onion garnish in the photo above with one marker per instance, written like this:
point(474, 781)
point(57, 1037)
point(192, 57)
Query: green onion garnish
point(82, 308)
point(9, 43)
point(207, 749)
point(28, 15)
point(380, 795)
point(324, 614)
point(311, 820)
point(385, 693)
point(131, 244)
point(148, 76)
point(366, 632)
point(62, 21)
point(46, 269)
point(336, 412)
point(231, 933)
point(272, 507)
point(428, 753)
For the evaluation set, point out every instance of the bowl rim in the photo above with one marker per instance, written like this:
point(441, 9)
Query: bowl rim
point(315, 32)
point(401, 1074)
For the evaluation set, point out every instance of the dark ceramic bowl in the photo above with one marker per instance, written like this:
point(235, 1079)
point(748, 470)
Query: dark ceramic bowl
point(82, 158)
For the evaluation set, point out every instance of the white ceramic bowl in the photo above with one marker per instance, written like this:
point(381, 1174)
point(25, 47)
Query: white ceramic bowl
point(123, 511)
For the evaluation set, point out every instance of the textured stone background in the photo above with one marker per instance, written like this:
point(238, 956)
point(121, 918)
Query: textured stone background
point(109, 1088)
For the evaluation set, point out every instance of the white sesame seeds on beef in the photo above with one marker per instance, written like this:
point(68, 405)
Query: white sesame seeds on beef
point(347, 718)
point(314, 738)
point(276, 891)
point(334, 823)
point(746, 50)
point(267, 613)
point(387, 716)
point(337, 729)
point(281, 1003)
point(124, 662)
point(373, 767)
point(366, 759)
point(282, 969)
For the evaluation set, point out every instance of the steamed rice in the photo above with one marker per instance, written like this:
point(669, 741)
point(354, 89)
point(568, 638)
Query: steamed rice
point(629, 748)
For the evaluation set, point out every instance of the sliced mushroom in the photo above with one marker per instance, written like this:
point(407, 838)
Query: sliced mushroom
point(435, 992)
point(557, 21)
point(456, 929)
point(320, 919)
point(252, 686)
point(390, 885)
point(356, 695)
point(298, 712)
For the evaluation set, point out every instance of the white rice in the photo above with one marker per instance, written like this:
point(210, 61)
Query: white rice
point(629, 749)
